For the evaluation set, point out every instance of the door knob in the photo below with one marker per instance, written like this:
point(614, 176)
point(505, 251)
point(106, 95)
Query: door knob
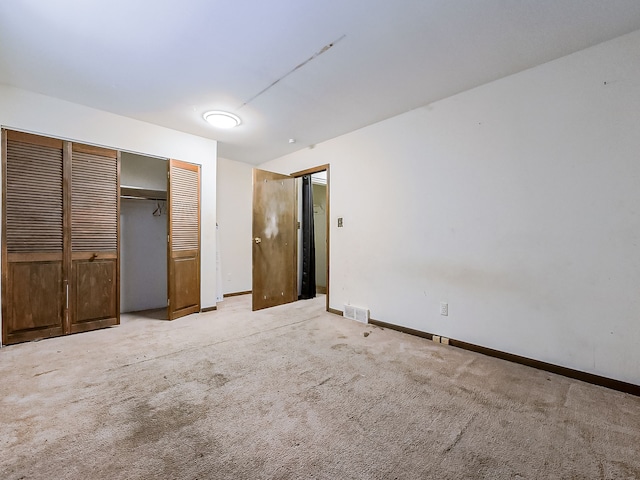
point(257, 240)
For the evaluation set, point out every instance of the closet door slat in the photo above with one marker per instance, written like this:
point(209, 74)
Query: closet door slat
point(185, 219)
point(34, 198)
point(94, 201)
point(184, 238)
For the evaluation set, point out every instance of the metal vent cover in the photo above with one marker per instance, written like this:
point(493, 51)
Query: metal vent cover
point(356, 313)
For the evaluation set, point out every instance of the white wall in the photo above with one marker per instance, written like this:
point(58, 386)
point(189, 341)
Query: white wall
point(518, 203)
point(36, 113)
point(143, 172)
point(234, 221)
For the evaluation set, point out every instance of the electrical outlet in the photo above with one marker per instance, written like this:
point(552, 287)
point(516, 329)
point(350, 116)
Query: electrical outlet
point(444, 340)
point(436, 338)
point(444, 309)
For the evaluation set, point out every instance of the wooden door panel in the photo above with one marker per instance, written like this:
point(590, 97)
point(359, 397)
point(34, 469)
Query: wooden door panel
point(274, 240)
point(186, 272)
point(184, 239)
point(35, 309)
point(94, 289)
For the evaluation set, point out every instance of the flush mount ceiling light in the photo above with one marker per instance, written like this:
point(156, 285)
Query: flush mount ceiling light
point(220, 119)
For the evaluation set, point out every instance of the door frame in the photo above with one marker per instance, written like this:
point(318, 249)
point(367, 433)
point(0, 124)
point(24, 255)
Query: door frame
point(309, 171)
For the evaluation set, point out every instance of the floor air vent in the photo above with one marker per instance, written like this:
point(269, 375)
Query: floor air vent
point(357, 314)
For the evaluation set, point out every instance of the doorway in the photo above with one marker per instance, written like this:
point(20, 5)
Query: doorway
point(317, 212)
point(143, 234)
point(272, 276)
point(320, 181)
point(320, 195)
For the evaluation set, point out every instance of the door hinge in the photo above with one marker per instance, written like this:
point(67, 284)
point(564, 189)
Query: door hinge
point(167, 238)
point(168, 302)
point(67, 295)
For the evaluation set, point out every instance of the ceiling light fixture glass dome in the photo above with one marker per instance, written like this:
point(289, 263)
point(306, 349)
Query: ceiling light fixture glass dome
point(220, 119)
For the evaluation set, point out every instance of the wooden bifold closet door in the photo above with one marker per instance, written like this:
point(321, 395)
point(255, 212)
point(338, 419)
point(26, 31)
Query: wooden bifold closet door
point(33, 266)
point(184, 239)
point(95, 201)
point(60, 269)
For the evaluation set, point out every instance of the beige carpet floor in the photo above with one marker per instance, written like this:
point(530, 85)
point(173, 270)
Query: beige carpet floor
point(294, 392)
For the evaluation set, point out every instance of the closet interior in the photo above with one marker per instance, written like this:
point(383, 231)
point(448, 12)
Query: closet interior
point(143, 234)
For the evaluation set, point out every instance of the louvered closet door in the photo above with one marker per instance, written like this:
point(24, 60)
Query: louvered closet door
point(95, 203)
point(184, 239)
point(33, 263)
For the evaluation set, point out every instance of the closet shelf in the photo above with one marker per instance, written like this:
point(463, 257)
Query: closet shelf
point(142, 193)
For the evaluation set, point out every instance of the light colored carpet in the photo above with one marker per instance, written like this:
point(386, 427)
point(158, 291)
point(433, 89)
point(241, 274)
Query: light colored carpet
point(294, 392)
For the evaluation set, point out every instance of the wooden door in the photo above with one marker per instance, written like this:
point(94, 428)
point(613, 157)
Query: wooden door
point(95, 211)
point(183, 196)
point(274, 240)
point(34, 297)
point(60, 267)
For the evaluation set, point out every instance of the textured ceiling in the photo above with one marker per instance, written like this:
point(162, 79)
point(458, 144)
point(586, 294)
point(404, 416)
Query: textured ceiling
point(167, 62)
